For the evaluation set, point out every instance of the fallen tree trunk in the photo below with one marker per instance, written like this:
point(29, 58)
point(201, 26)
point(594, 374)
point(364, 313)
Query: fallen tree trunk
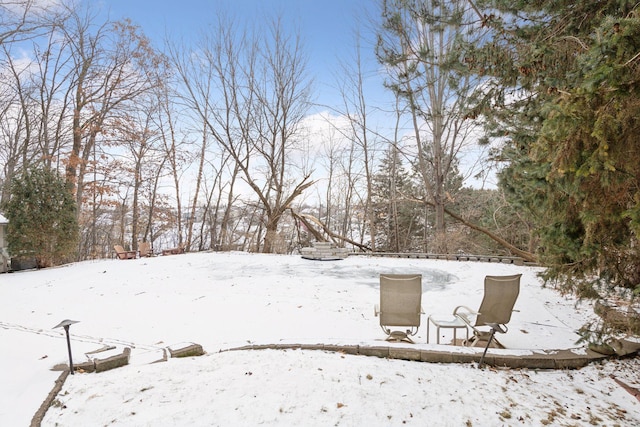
point(307, 220)
point(316, 234)
point(526, 255)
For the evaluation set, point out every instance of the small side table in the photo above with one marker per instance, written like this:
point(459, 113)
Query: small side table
point(454, 324)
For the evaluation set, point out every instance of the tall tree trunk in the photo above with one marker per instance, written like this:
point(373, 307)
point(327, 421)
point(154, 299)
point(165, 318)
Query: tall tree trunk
point(194, 204)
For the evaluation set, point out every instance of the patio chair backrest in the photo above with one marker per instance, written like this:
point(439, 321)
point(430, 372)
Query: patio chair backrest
point(144, 248)
point(500, 294)
point(400, 299)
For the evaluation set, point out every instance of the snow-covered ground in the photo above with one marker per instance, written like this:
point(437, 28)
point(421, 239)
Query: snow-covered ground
point(227, 300)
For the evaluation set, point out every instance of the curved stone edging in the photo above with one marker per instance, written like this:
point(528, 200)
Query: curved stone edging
point(550, 359)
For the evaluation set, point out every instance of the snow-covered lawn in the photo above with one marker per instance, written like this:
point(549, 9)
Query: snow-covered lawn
point(227, 300)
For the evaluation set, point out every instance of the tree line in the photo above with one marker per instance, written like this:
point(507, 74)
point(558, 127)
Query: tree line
point(209, 146)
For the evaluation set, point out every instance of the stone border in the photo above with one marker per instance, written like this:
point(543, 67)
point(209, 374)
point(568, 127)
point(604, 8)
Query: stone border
point(44, 407)
point(449, 257)
point(189, 350)
point(97, 365)
point(549, 359)
point(112, 362)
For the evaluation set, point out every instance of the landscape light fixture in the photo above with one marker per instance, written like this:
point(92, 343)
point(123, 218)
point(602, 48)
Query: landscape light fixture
point(65, 324)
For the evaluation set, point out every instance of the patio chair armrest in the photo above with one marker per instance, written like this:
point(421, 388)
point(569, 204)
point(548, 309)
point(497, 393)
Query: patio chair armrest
point(465, 314)
point(466, 309)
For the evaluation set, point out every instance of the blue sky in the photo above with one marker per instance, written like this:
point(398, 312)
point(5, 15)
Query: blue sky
point(328, 30)
point(327, 27)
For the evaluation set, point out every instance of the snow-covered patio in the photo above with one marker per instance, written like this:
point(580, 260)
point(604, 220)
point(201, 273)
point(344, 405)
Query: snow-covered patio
point(228, 300)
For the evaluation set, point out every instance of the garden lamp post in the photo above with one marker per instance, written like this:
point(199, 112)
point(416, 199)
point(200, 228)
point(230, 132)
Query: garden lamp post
point(65, 324)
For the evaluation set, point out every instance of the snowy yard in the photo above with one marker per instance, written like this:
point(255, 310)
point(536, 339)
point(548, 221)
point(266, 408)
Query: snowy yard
point(227, 300)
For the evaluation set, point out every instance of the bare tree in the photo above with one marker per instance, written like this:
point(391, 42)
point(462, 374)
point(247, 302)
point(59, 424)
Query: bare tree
point(175, 151)
point(251, 92)
point(332, 152)
point(204, 143)
point(135, 132)
point(32, 91)
point(21, 20)
point(219, 204)
point(283, 98)
point(15, 150)
point(111, 63)
point(364, 140)
point(52, 83)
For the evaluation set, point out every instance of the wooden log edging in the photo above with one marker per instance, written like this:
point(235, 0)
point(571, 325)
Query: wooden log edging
point(548, 359)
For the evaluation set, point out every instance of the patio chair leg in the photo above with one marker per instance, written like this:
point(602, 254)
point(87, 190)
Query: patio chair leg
point(399, 336)
point(493, 331)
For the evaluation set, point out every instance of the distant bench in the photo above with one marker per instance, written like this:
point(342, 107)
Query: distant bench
point(173, 251)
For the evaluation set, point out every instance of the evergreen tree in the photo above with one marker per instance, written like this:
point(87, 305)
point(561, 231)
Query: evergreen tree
point(433, 240)
point(400, 217)
point(591, 140)
point(42, 218)
point(563, 98)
